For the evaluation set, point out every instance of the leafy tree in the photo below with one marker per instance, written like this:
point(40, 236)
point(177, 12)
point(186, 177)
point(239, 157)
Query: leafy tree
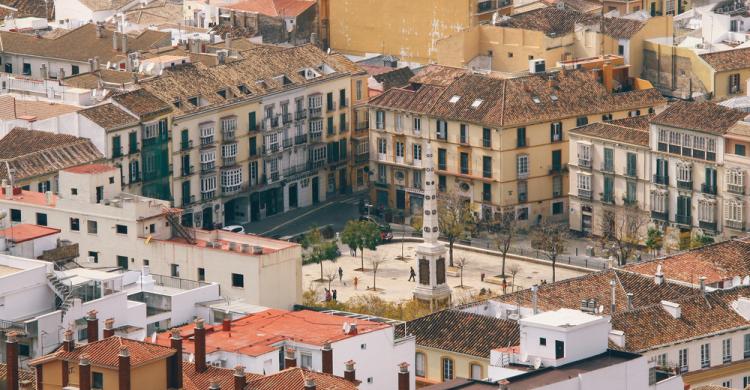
point(700, 240)
point(551, 239)
point(320, 249)
point(654, 240)
point(505, 229)
point(623, 230)
point(454, 218)
point(361, 235)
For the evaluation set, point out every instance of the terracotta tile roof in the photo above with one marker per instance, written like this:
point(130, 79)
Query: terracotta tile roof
point(552, 21)
point(294, 379)
point(517, 101)
point(263, 64)
point(723, 61)
point(104, 353)
point(257, 333)
point(12, 108)
point(438, 75)
point(104, 5)
point(91, 168)
point(699, 116)
point(109, 116)
point(394, 78)
point(142, 103)
point(29, 8)
point(651, 326)
point(109, 77)
point(192, 380)
point(27, 232)
point(462, 332)
point(35, 153)
point(717, 262)
point(155, 13)
point(577, 5)
point(272, 7)
point(568, 293)
point(23, 375)
point(81, 44)
point(618, 130)
point(620, 28)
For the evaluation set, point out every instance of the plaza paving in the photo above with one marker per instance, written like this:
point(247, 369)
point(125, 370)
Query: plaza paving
point(392, 276)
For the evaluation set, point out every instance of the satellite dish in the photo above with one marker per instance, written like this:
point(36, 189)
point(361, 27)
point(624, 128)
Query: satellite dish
point(537, 363)
point(601, 309)
point(347, 327)
point(153, 338)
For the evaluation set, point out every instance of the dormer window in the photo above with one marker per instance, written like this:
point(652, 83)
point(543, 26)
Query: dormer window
point(536, 99)
point(177, 103)
point(477, 103)
point(553, 97)
point(262, 84)
point(193, 100)
point(454, 99)
point(283, 80)
point(222, 93)
point(244, 89)
point(309, 73)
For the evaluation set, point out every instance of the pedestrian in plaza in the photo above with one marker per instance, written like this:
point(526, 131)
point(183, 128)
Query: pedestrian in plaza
point(341, 274)
point(412, 275)
point(328, 295)
point(334, 295)
point(356, 281)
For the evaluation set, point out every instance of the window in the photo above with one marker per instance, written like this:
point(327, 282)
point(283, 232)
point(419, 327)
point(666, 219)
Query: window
point(41, 219)
point(201, 274)
point(417, 179)
point(382, 146)
point(582, 121)
point(399, 149)
point(620, 50)
point(358, 88)
point(487, 137)
point(122, 262)
point(584, 184)
point(705, 355)
point(442, 183)
point(609, 160)
point(329, 102)
point(557, 208)
point(75, 224)
point(521, 137)
point(661, 360)
point(442, 165)
point(26, 69)
point(476, 371)
point(557, 187)
point(92, 227)
point(305, 360)
point(746, 353)
point(510, 54)
point(486, 166)
point(94, 256)
point(608, 191)
point(116, 146)
point(727, 383)
point(630, 190)
point(606, 117)
point(238, 280)
point(745, 381)
point(556, 132)
point(523, 191)
point(542, 341)
point(522, 214)
point(559, 349)
point(380, 120)
point(43, 186)
point(682, 360)
point(441, 129)
point(121, 229)
point(522, 165)
point(487, 192)
point(447, 369)
point(97, 380)
point(734, 83)
point(726, 350)
point(174, 270)
point(557, 160)
point(416, 124)
point(631, 169)
point(417, 151)
point(419, 364)
point(15, 215)
point(464, 134)
point(464, 158)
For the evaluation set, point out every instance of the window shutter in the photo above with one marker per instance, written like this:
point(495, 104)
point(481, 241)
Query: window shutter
point(252, 125)
point(552, 132)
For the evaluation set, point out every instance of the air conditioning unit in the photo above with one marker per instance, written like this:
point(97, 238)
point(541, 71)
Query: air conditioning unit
point(537, 66)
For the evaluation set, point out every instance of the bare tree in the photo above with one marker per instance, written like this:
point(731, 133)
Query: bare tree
point(461, 263)
point(330, 276)
point(375, 262)
point(623, 230)
point(505, 229)
point(454, 218)
point(513, 269)
point(551, 240)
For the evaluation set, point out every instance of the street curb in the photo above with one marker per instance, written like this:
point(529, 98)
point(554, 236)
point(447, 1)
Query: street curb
point(510, 255)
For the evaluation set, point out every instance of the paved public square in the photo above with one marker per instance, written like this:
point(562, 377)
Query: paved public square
point(392, 276)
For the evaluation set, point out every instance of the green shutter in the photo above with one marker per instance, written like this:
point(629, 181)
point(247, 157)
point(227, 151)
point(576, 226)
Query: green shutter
point(251, 121)
point(116, 146)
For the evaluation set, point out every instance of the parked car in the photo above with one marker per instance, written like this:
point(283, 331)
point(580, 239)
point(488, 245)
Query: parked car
point(234, 229)
point(386, 234)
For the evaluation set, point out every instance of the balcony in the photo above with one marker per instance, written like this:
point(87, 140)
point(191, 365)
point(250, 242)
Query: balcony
point(287, 142)
point(442, 166)
point(230, 189)
point(683, 219)
point(271, 149)
point(187, 171)
point(487, 174)
point(300, 115)
point(555, 169)
point(117, 152)
point(584, 194)
point(661, 216)
point(316, 137)
point(273, 177)
point(364, 157)
point(584, 163)
point(207, 141)
point(608, 197)
point(300, 139)
point(381, 182)
point(343, 126)
point(133, 148)
point(608, 168)
point(736, 225)
point(631, 172)
point(364, 125)
point(738, 189)
point(344, 103)
point(208, 167)
point(522, 175)
point(298, 169)
point(186, 145)
point(708, 189)
point(270, 123)
point(708, 226)
point(316, 112)
point(228, 161)
point(208, 195)
point(188, 199)
point(286, 118)
point(228, 136)
point(684, 184)
point(523, 197)
point(522, 142)
point(661, 179)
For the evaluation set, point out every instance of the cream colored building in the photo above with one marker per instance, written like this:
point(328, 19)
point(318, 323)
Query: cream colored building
point(501, 143)
point(115, 229)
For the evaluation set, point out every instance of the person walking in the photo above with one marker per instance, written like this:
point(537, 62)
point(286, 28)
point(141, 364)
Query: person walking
point(334, 295)
point(341, 274)
point(412, 275)
point(356, 281)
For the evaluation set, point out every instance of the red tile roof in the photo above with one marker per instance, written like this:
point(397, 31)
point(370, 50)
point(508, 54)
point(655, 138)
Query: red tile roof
point(273, 7)
point(90, 169)
point(257, 333)
point(105, 353)
point(27, 232)
point(294, 379)
point(192, 380)
point(700, 116)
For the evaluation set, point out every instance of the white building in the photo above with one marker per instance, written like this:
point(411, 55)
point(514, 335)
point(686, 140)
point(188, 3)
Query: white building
point(114, 229)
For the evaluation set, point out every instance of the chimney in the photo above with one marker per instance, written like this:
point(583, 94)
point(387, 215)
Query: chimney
point(608, 76)
point(534, 289)
point(174, 363)
point(124, 43)
point(200, 346)
point(327, 358)
point(239, 377)
point(214, 384)
point(228, 41)
point(84, 373)
point(92, 327)
point(39, 374)
point(99, 30)
point(702, 280)
point(48, 195)
point(96, 64)
point(26, 384)
point(289, 358)
point(672, 308)
point(349, 373)
point(658, 276)
point(613, 302)
point(124, 370)
point(68, 343)
point(11, 360)
point(114, 41)
point(617, 337)
point(109, 328)
point(630, 301)
point(309, 384)
point(226, 324)
point(403, 376)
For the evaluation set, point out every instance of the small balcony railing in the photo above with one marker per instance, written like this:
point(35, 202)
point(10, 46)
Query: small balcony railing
point(736, 189)
point(736, 225)
point(208, 167)
point(187, 171)
point(287, 142)
point(228, 161)
point(316, 112)
point(186, 145)
point(705, 225)
point(300, 139)
point(683, 219)
point(300, 115)
point(661, 216)
point(661, 179)
point(685, 184)
point(584, 163)
point(584, 194)
point(708, 189)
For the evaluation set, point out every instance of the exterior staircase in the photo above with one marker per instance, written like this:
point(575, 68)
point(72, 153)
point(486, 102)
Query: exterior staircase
point(173, 216)
point(63, 293)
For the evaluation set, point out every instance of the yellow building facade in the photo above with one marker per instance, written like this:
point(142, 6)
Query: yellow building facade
point(434, 363)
